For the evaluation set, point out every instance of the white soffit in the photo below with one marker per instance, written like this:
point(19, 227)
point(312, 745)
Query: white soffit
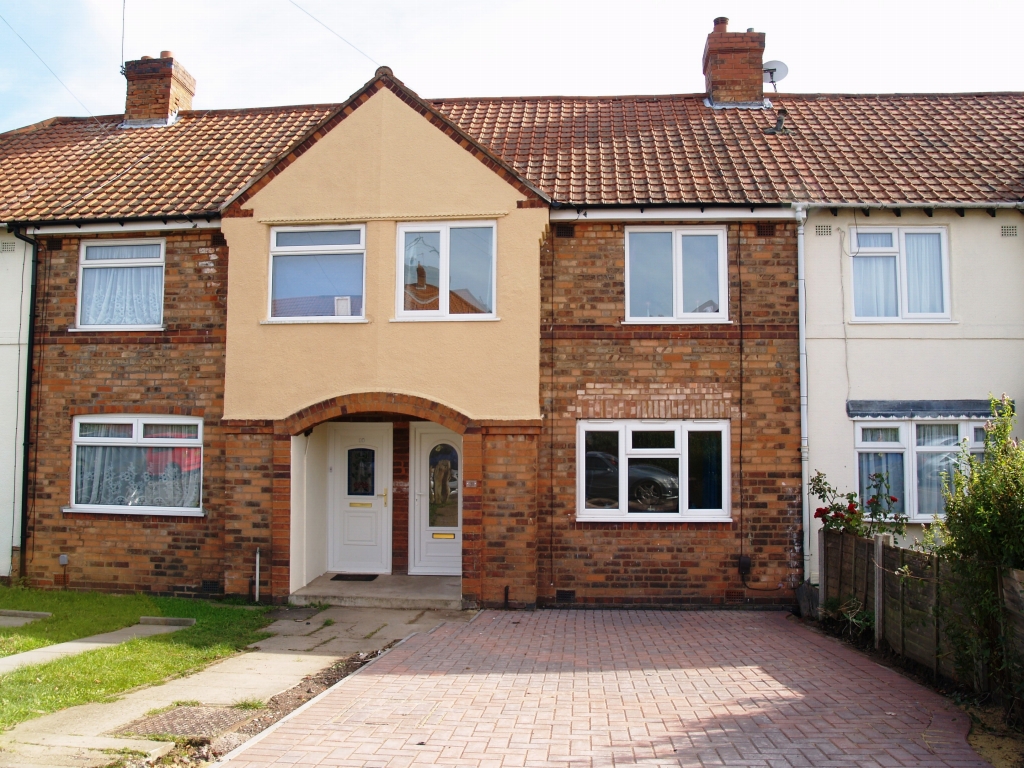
point(128, 226)
point(656, 213)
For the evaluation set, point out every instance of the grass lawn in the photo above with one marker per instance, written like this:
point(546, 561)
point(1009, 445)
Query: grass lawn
point(219, 631)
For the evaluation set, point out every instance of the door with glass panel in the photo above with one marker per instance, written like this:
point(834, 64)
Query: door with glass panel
point(359, 507)
point(435, 501)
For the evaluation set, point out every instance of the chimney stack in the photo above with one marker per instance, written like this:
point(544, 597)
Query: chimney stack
point(733, 66)
point(157, 89)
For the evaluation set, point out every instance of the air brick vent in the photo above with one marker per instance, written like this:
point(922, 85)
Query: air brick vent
point(823, 230)
point(765, 229)
point(7, 247)
point(565, 230)
point(565, 596)
point(1009, 230)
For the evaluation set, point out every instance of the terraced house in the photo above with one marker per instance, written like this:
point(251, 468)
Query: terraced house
point(495, 351)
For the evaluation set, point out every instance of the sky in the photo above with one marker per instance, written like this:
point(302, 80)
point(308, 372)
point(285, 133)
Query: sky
point(268, 52)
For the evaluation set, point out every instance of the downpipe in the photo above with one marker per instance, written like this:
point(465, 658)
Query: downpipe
point(26, 442)
point(801, 220)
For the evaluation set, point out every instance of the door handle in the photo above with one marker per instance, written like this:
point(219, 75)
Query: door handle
point(385, 495)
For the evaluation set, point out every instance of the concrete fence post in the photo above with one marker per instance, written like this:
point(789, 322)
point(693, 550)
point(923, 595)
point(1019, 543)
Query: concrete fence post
point(822, 572)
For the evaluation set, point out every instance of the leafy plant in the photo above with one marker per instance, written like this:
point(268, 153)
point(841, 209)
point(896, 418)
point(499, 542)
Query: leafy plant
point(844, 512)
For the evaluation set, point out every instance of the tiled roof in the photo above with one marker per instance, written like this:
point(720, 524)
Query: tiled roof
point(85, 168)
point(881, 149)
point(889, 149)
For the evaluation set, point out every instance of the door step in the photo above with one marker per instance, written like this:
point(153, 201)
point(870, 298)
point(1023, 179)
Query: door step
point(439, 593)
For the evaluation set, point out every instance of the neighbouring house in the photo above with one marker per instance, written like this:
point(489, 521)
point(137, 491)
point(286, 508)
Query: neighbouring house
point(551, 348)
point(15, 286)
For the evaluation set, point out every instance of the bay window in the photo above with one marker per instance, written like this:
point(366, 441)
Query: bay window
point(121, 285)
point(676, 275)
point(140, 465)
point(317, 274)
point(900, 273)
point(913, 454)
point(653, 470)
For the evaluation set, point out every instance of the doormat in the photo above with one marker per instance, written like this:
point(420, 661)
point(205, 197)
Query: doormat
point(354, 577)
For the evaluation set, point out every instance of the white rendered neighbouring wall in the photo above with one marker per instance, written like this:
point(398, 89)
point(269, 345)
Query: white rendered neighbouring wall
point(15, 257)
point(978, 352)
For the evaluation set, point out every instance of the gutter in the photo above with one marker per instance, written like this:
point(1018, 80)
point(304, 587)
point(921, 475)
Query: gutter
point(122, 223)
point(28, 399)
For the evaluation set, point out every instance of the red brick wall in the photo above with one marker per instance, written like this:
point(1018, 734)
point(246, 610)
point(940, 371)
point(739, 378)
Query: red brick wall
point(178, 370)
point(593, 367)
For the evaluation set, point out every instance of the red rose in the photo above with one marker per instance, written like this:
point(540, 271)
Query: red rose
point(852, 507)
point(893, 499)
point(820, 514)
point(872, 500)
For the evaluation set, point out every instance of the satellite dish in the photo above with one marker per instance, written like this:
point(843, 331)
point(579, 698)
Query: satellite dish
point(774, 71)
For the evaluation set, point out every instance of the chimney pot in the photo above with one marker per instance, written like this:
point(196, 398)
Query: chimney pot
point(157, 88)
point(749, 29)
point(733, 66)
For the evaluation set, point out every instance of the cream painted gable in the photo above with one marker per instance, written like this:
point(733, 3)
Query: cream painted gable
point(382, 165)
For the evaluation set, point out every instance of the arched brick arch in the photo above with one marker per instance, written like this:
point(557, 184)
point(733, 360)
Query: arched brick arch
point(374, 402)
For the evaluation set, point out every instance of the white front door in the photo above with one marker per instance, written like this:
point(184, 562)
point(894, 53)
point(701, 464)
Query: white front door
point(435, 500)
point(358, 503)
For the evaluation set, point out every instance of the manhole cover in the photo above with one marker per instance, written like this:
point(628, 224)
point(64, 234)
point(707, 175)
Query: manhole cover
point(192, 722)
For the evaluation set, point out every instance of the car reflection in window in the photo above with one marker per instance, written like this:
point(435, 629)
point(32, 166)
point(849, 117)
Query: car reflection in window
point(653, 483)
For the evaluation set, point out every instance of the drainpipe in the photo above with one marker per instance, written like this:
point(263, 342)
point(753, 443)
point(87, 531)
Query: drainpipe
point(801, 219)
point(23, 563)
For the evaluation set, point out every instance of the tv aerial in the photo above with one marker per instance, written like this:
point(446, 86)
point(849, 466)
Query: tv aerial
point(774, 71)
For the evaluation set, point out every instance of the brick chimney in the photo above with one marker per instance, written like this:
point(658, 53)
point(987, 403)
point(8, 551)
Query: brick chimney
point(732, 66)
point(157, 89)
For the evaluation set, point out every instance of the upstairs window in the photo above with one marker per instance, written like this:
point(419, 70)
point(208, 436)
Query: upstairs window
point(676, 275)
point(121, 285)
point(653, 471)
point(137, 465)
point(318, 274)
point(446, 271)
point(900, 273)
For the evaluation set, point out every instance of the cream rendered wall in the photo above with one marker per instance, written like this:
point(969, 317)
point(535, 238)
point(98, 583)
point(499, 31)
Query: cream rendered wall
point(382, 165)
point(14, 296)
point(977, 354)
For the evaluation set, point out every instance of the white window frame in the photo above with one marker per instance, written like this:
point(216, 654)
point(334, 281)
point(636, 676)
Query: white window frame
point(301, 250)
point(678, 317)
point(625, 427)
point(137, 422)
point(907, 445)
point(442, 313)
point(124, 264)
point(899, 250)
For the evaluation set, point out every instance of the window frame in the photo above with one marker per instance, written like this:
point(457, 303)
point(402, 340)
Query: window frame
point(908, 446)
point(682, 428)
point(136, 440)
point(301, 250)
point(124, 264)
point(683, 318)
point(899, 250)
point(442, 313)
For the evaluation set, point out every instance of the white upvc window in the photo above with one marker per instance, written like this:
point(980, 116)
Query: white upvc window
point(653, 470)
point(900, 273)
point(137, 465)
point(121, 285)
point(913, 454)
point(317, 274)
point(447, 271)
point(676, 275)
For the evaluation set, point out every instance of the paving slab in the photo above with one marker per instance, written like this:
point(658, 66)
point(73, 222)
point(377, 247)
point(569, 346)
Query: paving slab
point(12, 618)
point(76, 737)
point(74, 647)
point(602, 688)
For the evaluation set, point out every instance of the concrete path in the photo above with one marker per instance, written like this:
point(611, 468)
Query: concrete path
point(603, 688)
point(157, 625)
point(77, 737)
point(11, 618)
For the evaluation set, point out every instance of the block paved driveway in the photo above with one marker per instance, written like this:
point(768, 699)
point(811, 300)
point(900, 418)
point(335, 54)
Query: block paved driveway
point(608, 688)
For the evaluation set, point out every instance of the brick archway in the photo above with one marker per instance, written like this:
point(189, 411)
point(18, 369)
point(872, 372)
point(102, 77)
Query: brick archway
point(374, 402)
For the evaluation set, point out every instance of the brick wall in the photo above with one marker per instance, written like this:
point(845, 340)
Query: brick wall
point(747, 372)
point(179, 370)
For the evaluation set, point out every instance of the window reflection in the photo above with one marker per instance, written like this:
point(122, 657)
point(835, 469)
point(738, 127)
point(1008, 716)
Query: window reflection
point(443, 471)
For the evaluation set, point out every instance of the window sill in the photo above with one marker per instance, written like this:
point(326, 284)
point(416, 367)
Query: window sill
point(116, 328)
point(677, 321)
point(313, 320)
point(637, 517)
point(449, 319)
point(900, 321)
point(140, 511)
